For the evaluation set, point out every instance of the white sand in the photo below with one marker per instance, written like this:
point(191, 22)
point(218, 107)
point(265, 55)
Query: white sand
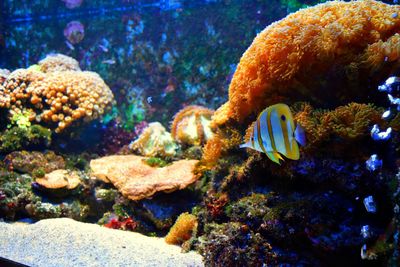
point(65, 242)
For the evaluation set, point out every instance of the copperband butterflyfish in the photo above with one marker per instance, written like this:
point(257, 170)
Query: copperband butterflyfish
point(274, 134)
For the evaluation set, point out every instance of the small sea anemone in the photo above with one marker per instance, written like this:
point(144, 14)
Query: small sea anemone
point(191, 125)
point(155, 141)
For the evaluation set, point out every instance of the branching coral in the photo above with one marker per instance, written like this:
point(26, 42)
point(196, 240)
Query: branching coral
point(57, 97)
point(294, 57)
point(191, 125)
point(182, 230)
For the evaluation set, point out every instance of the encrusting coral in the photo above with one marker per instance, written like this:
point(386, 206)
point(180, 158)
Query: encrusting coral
point(191, 125)
point(56, 98)
point(294, 57)
point(60, 179)
point(182, 230)
point(136, 180)
point(155, 141)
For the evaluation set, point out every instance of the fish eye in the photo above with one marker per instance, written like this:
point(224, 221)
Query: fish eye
point(283, 117)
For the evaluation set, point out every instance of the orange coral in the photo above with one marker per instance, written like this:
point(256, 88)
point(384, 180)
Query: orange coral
point(348, 122)
point(291, 57)
point(191, 125)
point(57, 97)
point(182, 230)
point(212, 150)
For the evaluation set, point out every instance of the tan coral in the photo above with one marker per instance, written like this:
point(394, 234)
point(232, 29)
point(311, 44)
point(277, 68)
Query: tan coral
point(290, 58)
point(191, 125)
point(60, 179)
point(137, 180)
point(58, 62)
point(58, 98)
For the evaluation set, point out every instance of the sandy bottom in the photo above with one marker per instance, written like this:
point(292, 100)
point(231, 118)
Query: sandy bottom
point(65, 242)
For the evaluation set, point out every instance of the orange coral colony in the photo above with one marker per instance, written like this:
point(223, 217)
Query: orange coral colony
point(56, 93)
point(191, 125)
point(182, 230)
point(295, 57)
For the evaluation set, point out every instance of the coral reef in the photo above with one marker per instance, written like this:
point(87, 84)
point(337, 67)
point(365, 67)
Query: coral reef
point(155, 141)
point(137, 180)
point(350, 122)
point(291, 57)
point(191, 125)
point(182, 230)
point(56, 98)
point(233, 244)
point(17, 138)
point(28, 162)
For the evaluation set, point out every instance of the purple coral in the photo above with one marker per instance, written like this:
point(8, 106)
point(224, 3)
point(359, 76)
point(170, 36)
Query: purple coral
point(74, 32)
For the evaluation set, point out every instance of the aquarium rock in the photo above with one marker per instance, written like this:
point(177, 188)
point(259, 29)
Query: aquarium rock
point(373, 163)
point(65, 242)
point(137, 180)
point(365, 231)
point(369, 204)
point(391, 84)
point(377, 134)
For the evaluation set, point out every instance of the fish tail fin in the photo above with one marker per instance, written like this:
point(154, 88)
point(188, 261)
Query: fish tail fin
point(248, 144)
point(300, 135)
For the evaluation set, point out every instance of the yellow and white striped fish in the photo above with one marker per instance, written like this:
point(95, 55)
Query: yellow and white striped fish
point(274, 134)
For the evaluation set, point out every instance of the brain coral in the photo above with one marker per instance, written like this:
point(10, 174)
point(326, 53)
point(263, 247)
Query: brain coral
point(56, 98)
point(321, 54)
point(191, 125)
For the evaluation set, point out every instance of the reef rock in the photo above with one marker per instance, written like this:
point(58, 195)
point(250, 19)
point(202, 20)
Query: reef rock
point(155, 141)
point(60, 179)
point(137, 180)
point(27, 162)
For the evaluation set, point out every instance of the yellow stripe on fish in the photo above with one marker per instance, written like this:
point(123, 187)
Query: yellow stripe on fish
point(274, 133)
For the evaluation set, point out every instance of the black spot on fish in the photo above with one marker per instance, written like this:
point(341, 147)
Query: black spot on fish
point(283, 117)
